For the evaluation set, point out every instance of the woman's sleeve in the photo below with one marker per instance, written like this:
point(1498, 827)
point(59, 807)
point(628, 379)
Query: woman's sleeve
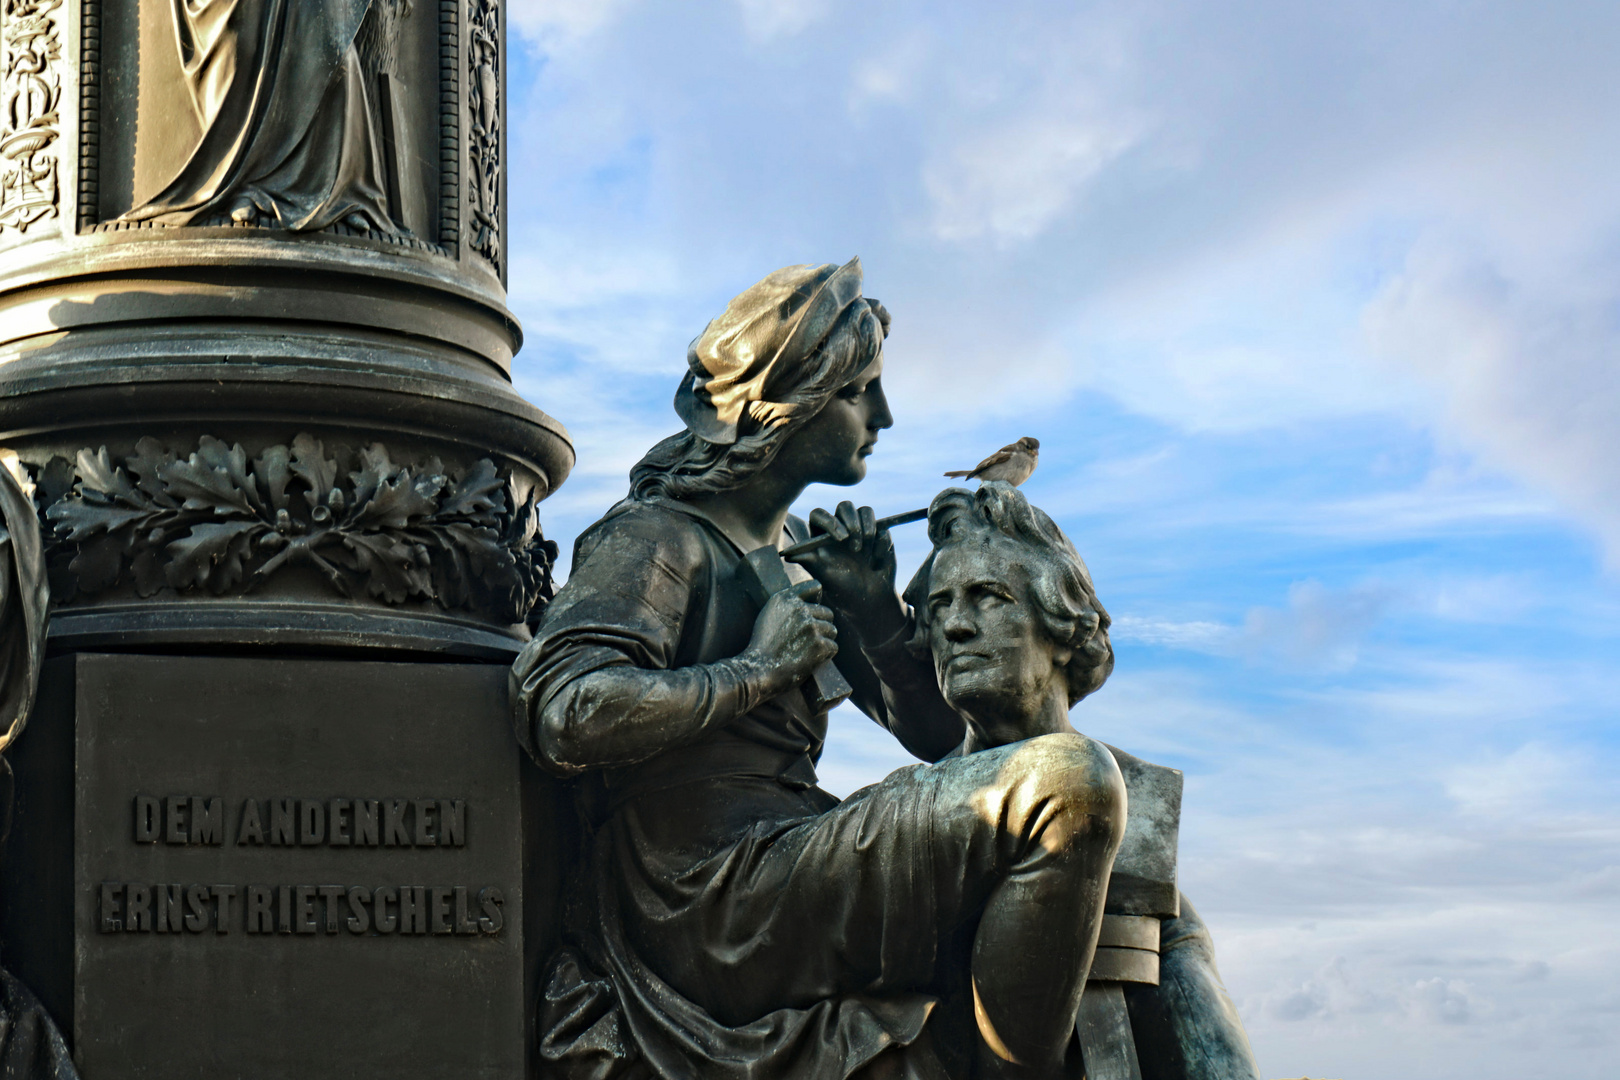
point(595, 687)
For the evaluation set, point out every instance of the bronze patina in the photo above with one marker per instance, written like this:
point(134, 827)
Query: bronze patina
point(273, 587)
point(269, 818)
point(733, 919)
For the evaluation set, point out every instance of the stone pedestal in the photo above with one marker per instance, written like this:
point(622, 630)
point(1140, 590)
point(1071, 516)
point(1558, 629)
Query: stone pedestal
point(255, 358)
point(278, 867)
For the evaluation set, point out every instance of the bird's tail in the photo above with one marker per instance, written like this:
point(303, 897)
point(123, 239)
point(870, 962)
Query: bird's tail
point(960, 473)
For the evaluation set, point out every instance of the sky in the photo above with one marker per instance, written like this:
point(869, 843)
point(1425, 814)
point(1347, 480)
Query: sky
point(1315, 309)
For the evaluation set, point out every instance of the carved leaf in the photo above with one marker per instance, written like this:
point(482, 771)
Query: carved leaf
point(78, 518)
point(479, 493)
point(211, 554)
point(98, 473)
point(525, 523)
point(214, 478)
point(271, 467)
point(376, 469)
point(233, 461)
point(147, 465)
point(147, 570)
point(99, 561)
point(311, 465)
point(452, 578)
point(395, 505)
point(55, 480)
point(390, 567)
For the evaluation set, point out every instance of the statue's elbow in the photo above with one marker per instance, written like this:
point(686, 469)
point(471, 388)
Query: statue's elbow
point(562, 746)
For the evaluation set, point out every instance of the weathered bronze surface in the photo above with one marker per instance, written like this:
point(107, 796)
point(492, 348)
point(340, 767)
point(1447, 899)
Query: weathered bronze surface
point(278, 237)
point(255, 389)
point(272, 541)
point(729, 918)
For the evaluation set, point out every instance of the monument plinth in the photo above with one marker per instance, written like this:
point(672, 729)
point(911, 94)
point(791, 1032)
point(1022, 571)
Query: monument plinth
point(255, 363)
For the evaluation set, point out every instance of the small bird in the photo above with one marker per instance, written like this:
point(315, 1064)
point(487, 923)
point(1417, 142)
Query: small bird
point(1012, 463)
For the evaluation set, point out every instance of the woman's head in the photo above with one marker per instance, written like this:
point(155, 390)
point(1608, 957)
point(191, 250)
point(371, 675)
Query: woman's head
point(765, 370)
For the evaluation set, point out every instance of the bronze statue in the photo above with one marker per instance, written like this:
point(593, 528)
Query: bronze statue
point(31, 1047)
point(1005, 607)
point(732, 918)
point(292, 102)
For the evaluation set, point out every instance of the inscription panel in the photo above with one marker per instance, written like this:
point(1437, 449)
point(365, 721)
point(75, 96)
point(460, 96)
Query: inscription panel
point(296, 868)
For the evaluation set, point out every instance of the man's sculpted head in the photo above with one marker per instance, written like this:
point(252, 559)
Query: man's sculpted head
point(1006, 607)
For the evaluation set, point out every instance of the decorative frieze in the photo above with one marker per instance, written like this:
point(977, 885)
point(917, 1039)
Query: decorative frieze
point(220, 520)
point(30, 112)
point(484, 136)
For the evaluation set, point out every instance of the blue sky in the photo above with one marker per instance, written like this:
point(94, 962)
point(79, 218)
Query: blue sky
point(1315, 309)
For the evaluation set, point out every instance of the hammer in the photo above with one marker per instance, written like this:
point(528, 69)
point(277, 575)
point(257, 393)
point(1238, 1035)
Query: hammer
point(763, 573)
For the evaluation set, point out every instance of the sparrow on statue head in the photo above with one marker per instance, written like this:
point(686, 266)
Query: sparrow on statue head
point(1013, 463)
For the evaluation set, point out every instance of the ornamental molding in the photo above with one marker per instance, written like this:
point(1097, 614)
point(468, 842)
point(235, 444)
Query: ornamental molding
point(30, 112)
point(219, 520)
point(484, 134)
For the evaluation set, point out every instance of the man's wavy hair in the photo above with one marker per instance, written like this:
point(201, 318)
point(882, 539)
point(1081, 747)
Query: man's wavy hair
point(1060, 584)
point(685, 464)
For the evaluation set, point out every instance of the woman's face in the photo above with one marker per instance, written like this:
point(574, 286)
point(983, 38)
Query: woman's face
point(833, 446)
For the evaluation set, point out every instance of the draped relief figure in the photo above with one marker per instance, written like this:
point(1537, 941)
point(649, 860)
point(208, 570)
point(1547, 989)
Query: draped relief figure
point(730, 919)
point(294, 101)
point(31, 1047)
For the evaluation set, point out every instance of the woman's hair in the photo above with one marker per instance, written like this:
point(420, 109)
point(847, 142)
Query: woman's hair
point(687, 464)
point(1059, 582)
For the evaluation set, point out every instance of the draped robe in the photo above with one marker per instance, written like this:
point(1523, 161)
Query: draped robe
point(31, 1047)
point(290, 119)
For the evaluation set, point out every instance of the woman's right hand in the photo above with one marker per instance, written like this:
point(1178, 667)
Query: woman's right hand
point(793, 636)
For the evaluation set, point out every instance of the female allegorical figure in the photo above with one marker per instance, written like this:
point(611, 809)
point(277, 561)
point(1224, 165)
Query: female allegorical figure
point(292, 127)
point(741, 922)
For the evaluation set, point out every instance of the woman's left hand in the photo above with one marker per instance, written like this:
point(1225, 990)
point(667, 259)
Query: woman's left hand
point(856, 569)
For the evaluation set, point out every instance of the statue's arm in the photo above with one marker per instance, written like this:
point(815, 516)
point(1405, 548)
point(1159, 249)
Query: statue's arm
point(899, 689)
point(598, 686)
point(621, 715)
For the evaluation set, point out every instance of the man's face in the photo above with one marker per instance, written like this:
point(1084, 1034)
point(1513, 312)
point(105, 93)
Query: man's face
point(995, 661)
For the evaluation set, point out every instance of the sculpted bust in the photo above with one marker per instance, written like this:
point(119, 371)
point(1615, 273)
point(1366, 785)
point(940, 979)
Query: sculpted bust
point(727, 917)
point(1005, 607)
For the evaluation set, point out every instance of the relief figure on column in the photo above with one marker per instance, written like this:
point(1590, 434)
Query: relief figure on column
point(31, 1047)
point(295, 102)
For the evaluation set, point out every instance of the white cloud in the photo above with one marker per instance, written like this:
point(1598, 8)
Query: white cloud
point(1511, 783)
point(1319, 626)
point(770, 19)
point(891, 74)
point(1011, 180)
point(1528, 369)
point(556, 22)
point(1200, 635)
